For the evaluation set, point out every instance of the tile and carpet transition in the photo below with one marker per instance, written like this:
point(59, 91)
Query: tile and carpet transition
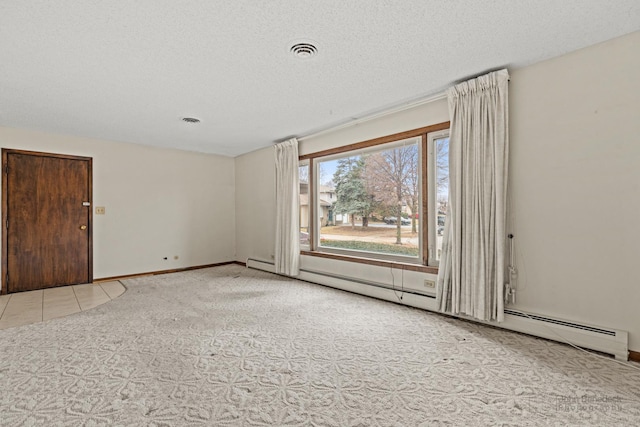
point(23, 308)
point(230, 346)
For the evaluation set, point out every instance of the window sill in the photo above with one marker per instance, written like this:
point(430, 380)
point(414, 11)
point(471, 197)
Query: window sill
point(375, 262)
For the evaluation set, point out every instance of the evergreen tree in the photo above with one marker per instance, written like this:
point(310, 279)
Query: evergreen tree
point(353, 198)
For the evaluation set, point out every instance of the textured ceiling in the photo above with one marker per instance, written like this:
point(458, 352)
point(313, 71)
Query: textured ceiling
point(130, 70)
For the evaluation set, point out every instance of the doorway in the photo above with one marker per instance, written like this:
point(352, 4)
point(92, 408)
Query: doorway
point(46, 220)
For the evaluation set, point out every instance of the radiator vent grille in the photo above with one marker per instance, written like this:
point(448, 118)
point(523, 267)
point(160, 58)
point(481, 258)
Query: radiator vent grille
point(560, 322)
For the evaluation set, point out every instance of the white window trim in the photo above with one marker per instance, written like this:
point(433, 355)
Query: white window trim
point(431, 193)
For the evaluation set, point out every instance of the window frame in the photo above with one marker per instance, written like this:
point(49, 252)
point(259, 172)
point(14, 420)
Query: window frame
point(421, 263)
point(358, 152)
point(432, 170)
point(307, 163)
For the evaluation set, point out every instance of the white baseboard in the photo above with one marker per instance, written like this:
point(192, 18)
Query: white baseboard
point(606, 340)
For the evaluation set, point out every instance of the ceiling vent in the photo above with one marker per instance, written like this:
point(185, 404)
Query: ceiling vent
point(304, 50)
point(190, 120)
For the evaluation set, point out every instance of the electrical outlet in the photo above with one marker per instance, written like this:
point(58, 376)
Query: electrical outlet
point(100, 210)
point(429, 283)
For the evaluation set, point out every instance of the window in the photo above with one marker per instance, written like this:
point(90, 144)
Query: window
point(376, 193)
point(305, 218)
point(438, 146)
point(369, 200)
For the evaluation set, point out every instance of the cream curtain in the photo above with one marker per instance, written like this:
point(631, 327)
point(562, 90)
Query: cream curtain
point(287, 251)
point(472, 266)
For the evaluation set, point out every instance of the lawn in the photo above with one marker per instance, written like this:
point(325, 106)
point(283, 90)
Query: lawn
point(387, 248)
point(359, 231)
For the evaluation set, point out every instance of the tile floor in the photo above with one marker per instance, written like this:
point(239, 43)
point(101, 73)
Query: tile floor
point(23, 308)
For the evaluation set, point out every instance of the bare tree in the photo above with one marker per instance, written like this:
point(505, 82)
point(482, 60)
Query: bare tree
point(324, 178)
point(303, 173)
point(442, 166)
point(411, 186)
point(442, 179)
point(392, 175)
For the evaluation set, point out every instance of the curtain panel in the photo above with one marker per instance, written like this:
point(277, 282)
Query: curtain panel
point(287, 250)
point(472, 275)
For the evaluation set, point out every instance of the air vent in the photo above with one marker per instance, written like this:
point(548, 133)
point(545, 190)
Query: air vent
point(304, 50)
point(190, 120)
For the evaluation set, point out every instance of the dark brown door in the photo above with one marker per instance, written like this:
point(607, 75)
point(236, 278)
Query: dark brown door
point(47, 212)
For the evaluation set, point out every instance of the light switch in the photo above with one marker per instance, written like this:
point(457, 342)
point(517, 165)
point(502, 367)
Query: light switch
point(100, 210)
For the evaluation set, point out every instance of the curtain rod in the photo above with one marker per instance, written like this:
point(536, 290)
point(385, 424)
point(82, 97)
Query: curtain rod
point(373, 116)
point(431, 98)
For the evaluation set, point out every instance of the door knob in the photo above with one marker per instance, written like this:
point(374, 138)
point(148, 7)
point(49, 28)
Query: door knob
point(83, 227)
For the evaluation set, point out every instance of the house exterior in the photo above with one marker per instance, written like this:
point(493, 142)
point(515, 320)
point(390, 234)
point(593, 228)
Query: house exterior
point(325, 213)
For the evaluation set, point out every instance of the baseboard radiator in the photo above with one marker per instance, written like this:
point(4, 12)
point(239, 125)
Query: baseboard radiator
point(605, 340)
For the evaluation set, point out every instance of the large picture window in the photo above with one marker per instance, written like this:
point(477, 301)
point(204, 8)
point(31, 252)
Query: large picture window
point(369, 200)
point(382, 199)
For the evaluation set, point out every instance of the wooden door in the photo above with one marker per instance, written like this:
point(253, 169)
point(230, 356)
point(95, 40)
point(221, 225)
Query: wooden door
point(47, 220)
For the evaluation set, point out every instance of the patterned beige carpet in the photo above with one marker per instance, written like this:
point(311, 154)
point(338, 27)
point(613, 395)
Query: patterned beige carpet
point(229, 346)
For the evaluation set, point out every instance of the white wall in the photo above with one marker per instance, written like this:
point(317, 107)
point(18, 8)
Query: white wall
point(256, 206)
point(159, 202)
point(423, 115)
point(575, 159)
point(575, 185)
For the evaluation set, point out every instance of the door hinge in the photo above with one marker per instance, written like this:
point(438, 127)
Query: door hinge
point(6, 168)
point(7, 224)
